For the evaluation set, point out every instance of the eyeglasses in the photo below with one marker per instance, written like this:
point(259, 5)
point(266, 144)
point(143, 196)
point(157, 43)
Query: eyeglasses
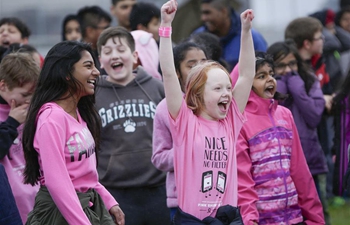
point(319, 38)
point(282, 66)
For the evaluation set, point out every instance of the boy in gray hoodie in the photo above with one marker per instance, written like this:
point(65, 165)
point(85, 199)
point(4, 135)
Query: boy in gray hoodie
point(126, 100)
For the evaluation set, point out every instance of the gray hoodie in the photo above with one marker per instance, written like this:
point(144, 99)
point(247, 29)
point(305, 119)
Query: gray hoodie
point(127, 114)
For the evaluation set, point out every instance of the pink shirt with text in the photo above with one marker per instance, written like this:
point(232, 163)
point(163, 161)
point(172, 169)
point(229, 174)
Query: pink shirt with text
point(67, 161)
point(205, 160)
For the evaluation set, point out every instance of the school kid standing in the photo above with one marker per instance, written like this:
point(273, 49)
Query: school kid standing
point(18, 76)
point(306, 32)
point(126, 101)
point(60, 140)
point(205, 126)
point(275, 184)
point(186, 56)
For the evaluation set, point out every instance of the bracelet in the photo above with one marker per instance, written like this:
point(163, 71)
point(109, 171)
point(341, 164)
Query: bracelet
point(165, 32)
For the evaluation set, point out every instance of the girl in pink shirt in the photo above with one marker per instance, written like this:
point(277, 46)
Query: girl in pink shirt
point(59, 138)
point(205, 126)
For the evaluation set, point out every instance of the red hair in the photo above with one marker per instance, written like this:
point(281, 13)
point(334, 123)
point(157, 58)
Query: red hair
point(195, 84)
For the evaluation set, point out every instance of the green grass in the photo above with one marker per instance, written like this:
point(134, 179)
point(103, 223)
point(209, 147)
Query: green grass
point(340, 215)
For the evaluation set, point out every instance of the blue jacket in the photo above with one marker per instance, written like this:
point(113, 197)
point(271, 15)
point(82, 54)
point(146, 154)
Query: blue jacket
point(231, 43)
point(307, 109)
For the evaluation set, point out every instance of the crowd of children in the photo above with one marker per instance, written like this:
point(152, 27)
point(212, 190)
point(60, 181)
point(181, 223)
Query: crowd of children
point(120, 125)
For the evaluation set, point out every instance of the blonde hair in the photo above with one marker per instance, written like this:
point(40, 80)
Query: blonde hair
point(18, 69)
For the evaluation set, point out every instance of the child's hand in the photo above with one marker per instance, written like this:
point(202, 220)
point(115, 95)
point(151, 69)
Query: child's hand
point(246, 19)
point(19, 113)
point(168, 11)
point(118, 215)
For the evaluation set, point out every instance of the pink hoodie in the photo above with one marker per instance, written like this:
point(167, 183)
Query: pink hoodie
point(147, 49)
point(163, 151)
point(275, 185)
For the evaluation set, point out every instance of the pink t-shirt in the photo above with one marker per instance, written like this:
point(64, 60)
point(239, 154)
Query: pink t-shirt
point(67, 161)
point(205, 160)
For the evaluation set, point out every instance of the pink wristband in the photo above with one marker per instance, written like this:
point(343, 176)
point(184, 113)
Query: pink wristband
point(164, 32)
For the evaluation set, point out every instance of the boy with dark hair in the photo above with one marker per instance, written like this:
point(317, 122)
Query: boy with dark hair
point(93, 20)
point(18, 76)
point(121, 9)
point(126, 101)
point(13, 30)
point(220, 18)
point(145, 16)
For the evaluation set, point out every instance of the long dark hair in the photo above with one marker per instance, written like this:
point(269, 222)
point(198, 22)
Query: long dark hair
point(55, 81)
point(279, 50)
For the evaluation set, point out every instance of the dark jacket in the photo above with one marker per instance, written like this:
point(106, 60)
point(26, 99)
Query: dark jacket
point(9, 214)
point(8, 133)
point(341, 141)
point(226, 215)
point(231, 43)
point(307, 109)
point(46, 212)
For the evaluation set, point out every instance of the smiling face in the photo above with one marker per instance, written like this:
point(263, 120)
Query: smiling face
point(217, 95)
point(21, 95)
point(9, 34)
point(264, 85)
point(86, 74)
point(117, 60)
point(212, 17)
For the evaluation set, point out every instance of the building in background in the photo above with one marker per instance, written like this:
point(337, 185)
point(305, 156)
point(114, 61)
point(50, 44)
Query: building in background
point(44, 17)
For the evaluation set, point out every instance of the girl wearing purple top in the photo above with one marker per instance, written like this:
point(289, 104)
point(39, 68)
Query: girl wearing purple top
point(305, 100)
point(60, 139)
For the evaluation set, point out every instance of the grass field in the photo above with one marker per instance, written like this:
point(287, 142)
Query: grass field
point(340, 215)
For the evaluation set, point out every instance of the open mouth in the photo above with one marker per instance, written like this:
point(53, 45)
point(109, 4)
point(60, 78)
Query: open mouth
point(117, 65)
point(93, 82)
point(5, 43)
point(270, 91)
point(223, 105)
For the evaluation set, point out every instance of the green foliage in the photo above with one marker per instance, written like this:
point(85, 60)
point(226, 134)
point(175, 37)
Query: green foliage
point(340, 214)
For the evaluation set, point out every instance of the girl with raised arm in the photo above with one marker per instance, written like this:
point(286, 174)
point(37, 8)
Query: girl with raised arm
point(205, 126)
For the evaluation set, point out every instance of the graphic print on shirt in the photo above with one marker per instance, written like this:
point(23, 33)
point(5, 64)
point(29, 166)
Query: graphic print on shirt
point(81, 145)
point(215, 157)
point(127, 109)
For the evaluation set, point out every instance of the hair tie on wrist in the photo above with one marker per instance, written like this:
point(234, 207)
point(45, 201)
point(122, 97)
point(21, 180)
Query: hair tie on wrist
point(165, 32)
